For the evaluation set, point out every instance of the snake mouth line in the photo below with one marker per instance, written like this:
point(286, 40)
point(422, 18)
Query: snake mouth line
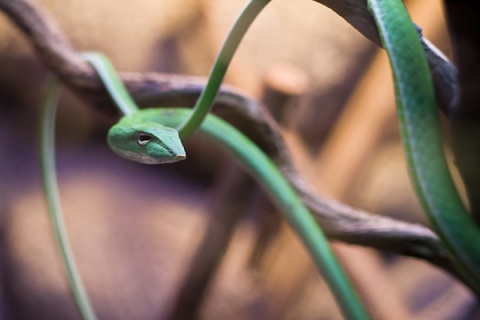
point(175, 155)
point(175, 158)
point(180, 157)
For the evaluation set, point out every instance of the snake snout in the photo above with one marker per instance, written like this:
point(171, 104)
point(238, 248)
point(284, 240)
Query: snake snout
point(180, 157)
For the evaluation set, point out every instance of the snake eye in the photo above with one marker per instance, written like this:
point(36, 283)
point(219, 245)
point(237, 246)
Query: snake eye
point(143, 138)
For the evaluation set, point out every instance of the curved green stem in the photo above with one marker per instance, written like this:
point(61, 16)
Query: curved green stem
point(208, 95)
point(49, 177)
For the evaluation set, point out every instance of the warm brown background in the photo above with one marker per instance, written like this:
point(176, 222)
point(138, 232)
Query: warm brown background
point(135, 229)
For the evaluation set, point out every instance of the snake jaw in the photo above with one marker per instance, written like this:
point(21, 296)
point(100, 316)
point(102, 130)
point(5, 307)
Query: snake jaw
point(146, 159)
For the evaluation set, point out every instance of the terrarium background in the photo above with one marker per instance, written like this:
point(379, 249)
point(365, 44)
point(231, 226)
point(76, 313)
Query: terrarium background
point(135, 229)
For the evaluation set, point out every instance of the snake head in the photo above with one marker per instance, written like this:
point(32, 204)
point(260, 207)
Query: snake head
point(146, 142)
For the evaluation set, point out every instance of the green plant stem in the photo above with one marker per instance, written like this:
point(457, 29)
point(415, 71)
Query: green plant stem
point(208, 95)
point(49, 177)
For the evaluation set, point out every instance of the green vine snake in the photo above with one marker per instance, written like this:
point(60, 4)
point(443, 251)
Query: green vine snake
point(154, 136)
point(421, 136)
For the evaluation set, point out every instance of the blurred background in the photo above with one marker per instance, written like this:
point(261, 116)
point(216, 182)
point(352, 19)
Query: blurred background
point(198, 239)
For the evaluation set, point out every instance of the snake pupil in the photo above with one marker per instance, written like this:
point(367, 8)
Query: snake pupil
point(143, 138)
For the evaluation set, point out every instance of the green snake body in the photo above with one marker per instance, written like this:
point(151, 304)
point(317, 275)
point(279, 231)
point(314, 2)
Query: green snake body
point(421, 136)
point(147, 136)
point(264, 171)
